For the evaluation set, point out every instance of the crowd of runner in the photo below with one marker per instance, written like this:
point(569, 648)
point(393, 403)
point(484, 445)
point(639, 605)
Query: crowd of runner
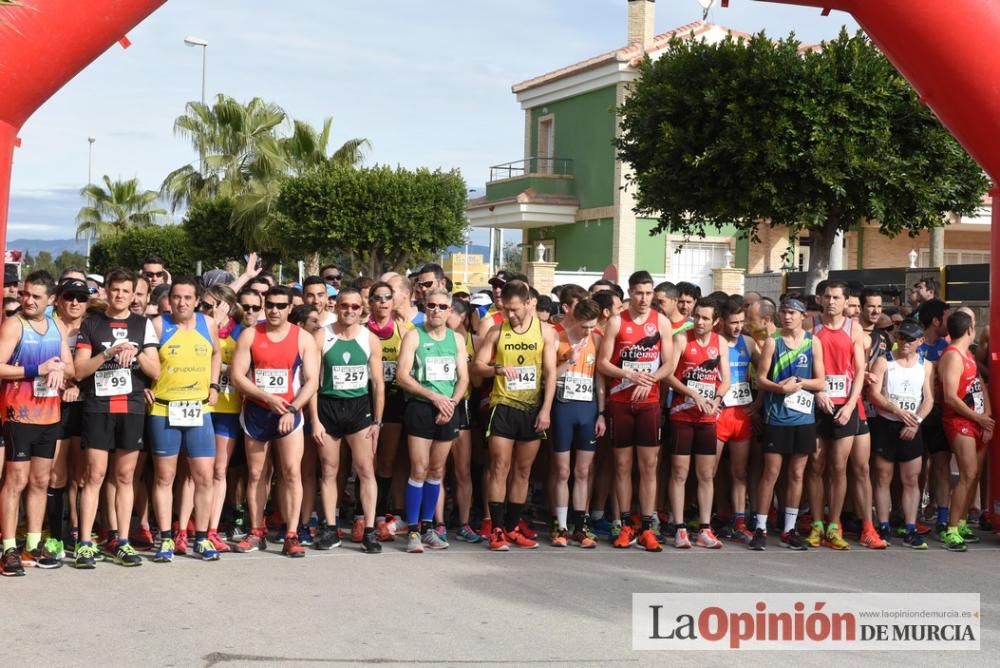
point(169, 415)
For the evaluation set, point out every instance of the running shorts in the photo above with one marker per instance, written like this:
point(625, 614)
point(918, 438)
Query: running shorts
point(113, 431)
point(825, 427)
point(25, 441)
point(887, 444)
point(167, 441)
point(419, 422)
point(734, 426)
point(343, 417)
point(692, 438)
point(573, 426)
point(797, 439)
point(634, 424)
point(261, 424)
point(226, 424)
point(959, 426)
point(513, 423)
point(71, 420)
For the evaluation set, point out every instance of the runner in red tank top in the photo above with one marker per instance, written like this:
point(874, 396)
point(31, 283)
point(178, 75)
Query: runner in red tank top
point(635, 356)
point(699, 381)
point(837, 421)
point(967, 417)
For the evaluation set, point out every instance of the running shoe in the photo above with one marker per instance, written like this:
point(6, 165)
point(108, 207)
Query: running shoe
point(254, 541)
point(217, 542)
point(518, 539)
point(601, 527)
point(413, 543)
point(327, 538)
point(973, 516)
point(740, 533)
point(11, 563)
point(382, 531)
point(527, 530)
point(442, 532)
point(55, 548)
point(141, 538)
point(815, 537)
point(793, 541)
point(85, 557)
point(915, 541)
point(181, 543)
point(986, 521)
point(833, 540)
point(681, 540)
point(468, 534)
point(759, 541)
point(305, 536)
point(166, 552)
point(561, 538)
point(852, 526)
point(626, 538)
point(292, 548)
point(279, 535)
point(667, 532)
point(870, 539)
point(940, 531)
point(237, 533)
point(206, 550)
point(953, 541)
point(370, 543)
point(126, 555)
point(433, 540)
point(647, 541)
point(968, 535)
point(486, 529)
point(358, 530)
point(922, 528)
point(395, 524)
point(584, 538)
point(27, 558)
point(498, 542)
point(885, 533)
point(615, 530)
point(706, 538)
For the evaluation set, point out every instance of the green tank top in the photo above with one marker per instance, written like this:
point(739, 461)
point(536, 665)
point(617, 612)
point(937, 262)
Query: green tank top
point(345, 365)
point(435, 362)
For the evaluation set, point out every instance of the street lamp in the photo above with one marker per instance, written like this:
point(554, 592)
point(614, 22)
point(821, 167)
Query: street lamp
point(192, 42)
point(90, 179)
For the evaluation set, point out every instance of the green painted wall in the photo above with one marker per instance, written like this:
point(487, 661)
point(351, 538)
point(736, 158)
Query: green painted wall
point(585, 132)
point(584, 244)
point(543, 185)
point(650, 252)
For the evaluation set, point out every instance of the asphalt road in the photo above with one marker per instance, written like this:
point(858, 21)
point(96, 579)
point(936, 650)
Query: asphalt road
point(462, 606)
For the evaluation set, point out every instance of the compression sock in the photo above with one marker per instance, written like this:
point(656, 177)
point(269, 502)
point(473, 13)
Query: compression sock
point(576, 520)
point(942, 515)
point(561, 514)
point(513, 516)
point(497, 514)
point(414, 496)
point(626, 519)
point(647, 522)
point(431, 492)
point(55, 506)
point(384, 491)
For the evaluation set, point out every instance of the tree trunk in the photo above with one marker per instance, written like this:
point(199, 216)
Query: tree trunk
point(823, 239)
point(312, 264)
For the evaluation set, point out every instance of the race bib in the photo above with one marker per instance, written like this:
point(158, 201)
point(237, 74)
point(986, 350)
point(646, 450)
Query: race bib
point(800, 402)
point(640, 367)
point(576, 387)
point(224, 386)
point(185, 414)
point(705, 390)
point(41, 389)
point(738, 395)
point(272, 381)
point(442, 368)
point(527, 379)
point(112, 382)
point(353, 377)
point(836, 387)
point(388, 371)
point(907, 403)
point(978, 404)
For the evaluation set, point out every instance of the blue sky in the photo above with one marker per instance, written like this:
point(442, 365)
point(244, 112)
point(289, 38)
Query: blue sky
point(428, 82)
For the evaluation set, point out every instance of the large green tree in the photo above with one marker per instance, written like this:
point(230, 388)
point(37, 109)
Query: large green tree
point(115, 207)
point(170, 242)
point(207, 225)
point(764, 132)
point(380, 218)
point(247, 150)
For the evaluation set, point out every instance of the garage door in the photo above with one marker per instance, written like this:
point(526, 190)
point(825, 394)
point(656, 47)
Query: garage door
point(693, 262)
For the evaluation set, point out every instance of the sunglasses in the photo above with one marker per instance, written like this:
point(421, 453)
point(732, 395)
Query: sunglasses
point(92, 291)
point(250, 307)
point(904, 339)
point(331, 277)
point(380, 298)
point(281, 307)
point(349, 307)
point(78, 298)
point(205, 306)
point(154, 274)
point(426, 284)
point(437, 307)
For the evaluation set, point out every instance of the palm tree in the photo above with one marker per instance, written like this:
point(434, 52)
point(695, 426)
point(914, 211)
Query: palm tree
point(116, 207)
point(247, 151)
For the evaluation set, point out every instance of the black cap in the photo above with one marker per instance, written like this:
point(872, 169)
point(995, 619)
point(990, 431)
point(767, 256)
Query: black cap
point(910, 328)
point(501, 279)
point(74, 286)
point(10, 276)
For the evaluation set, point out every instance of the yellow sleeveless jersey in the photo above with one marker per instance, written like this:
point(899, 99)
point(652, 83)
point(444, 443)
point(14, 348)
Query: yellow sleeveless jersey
point(230, 401)
point(524, 353)
point(185, 364)
point(390, 354)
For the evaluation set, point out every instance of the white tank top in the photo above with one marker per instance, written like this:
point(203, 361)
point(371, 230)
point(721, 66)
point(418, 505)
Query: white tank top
point(904, 387)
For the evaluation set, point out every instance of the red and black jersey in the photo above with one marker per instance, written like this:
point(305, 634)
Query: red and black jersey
point(970, 388)
point(98, 333)
point(637, 347)
point(698, 368)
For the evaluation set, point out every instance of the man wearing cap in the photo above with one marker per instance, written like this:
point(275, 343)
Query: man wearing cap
point(790, 374)
point(11, 281)
point(901, 393)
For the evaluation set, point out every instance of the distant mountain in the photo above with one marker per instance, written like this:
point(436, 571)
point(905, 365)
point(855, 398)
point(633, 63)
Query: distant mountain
point(54, 246)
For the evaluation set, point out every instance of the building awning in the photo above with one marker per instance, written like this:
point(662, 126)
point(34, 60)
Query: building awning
point(526, 210)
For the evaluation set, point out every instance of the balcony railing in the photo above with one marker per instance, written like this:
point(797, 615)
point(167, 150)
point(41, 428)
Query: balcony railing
point(532, 166)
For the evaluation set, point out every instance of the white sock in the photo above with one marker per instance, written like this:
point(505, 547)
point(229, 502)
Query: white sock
point(791, 514)
point(561, 513)
point(596, 515)
point(762, 522)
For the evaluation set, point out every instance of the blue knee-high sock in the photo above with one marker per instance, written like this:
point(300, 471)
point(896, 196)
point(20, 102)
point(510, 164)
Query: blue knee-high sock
point(432, 489)
point(414, 494)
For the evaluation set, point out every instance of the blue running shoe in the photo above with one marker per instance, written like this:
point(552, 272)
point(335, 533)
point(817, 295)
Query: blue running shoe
point(305, 536)
point(204, 549)
point(166, 552)
point(469, 535)
point(601, 527)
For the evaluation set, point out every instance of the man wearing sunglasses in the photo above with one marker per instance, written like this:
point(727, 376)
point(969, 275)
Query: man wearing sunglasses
point(344, 411)
point(331, 275)
point(35, 357)
point(275, 368)
point(154, 271)
point(430, 277)
point(901, 391)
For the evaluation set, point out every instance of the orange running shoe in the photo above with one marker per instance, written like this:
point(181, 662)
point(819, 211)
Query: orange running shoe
point(181, 542)
point(217, 542)
point(518, 539)
point(626, 538)
point(560, 539)
point(358, 530)
point(486, 529)
point(383, 533)
point(648, 542)
point(527, 530)
point(871, 539)
point(498, 543)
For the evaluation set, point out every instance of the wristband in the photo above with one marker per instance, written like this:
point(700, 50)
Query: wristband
point(919, 420)
point(216, 387)
point(31, 371)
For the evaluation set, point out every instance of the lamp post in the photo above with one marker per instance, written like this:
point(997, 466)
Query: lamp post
point(192, 42)
point(90, 179)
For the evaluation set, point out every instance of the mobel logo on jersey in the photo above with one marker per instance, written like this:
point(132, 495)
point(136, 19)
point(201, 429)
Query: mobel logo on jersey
point(521, 345)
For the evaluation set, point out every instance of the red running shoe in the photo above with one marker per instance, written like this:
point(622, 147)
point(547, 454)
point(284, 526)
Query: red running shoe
point(181, 542)
point(292, 547)
point(358, 530)
point(518, 539)
point(527, 530)
point(498, 543)
point(217, 542)
point(486, 529)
